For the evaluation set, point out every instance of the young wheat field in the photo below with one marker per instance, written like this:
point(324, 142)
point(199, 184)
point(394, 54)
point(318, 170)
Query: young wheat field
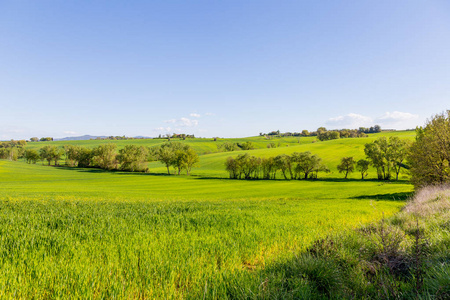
point(90, 233)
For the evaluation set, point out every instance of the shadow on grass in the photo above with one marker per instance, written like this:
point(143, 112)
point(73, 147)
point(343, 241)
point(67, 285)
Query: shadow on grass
point(392, 196)
point(202, 177)
point(119, 172)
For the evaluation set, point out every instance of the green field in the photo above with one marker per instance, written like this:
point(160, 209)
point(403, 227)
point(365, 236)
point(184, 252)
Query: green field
point(90, 233)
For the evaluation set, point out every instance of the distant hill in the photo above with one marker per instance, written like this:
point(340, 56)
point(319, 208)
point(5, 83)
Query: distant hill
point(80, 138)
point(92, 137)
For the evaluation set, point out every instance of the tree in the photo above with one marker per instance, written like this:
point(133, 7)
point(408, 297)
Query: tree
point(283, 162)
point(362, 166)
point(387, 155)
point(308, 164)
point(34, 139)
point(167, 154)
point(397, 153)
point(178, 159)
point(429, 155)
point(105, 156)
point(133, 158)
point(84, 157)
point(71, 154)
point(268, 168)
point(233, 167)
point(245, 166)
point(190, 159)
point(376, 152)
point(346, 166)
point(51, 153)
point(31, 156)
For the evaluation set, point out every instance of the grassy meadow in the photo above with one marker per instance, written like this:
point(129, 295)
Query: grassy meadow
point(90, 233)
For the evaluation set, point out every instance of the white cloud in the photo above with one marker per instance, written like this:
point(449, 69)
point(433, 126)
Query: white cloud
point(398, 120)
point(389, 120)
point(163, 129)
point(195, 115)
point(210, 114)
point(351, 121)
point(69, 132)
point(185, 122)
point(397, 116)
point(178, 125)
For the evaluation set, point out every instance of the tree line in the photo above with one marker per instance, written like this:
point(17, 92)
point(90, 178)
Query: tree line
point(387, 156)
point(303, 165)
point(323, 134)
point(131, 158)
point(229, 146)
point(12, 150)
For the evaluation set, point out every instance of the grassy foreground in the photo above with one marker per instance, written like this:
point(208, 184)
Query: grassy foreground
point(405, 256)
point(95, 234)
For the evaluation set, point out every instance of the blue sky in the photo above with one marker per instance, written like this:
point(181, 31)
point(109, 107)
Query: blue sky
point(220, 68)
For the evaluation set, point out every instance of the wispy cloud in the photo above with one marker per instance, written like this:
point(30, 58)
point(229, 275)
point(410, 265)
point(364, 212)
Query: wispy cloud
point(210, 114)
point(194, 115)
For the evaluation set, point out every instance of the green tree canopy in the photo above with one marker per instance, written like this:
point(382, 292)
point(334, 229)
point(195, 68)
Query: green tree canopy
point(429, 155)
